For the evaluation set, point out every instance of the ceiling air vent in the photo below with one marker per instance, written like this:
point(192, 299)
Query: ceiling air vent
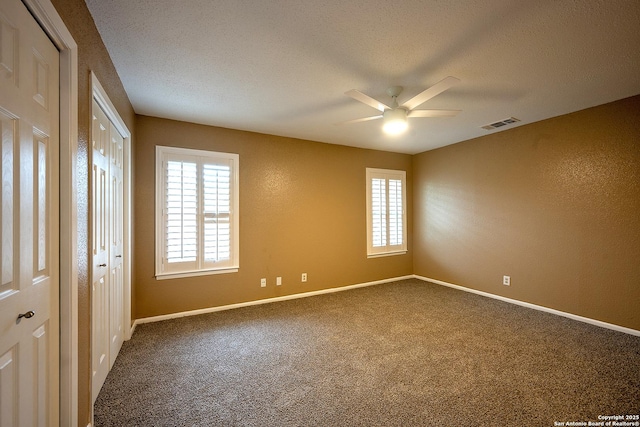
point(501, 123)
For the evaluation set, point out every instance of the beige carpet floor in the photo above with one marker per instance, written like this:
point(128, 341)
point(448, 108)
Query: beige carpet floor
point(407, 353)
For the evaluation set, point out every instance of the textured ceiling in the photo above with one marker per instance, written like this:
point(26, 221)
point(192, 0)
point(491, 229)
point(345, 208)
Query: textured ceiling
point(282, 66)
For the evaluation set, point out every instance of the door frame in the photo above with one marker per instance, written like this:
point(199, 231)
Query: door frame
point(46, 15)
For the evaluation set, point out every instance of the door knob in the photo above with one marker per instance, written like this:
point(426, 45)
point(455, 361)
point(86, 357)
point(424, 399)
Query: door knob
point(118, 256)
point(28, 315)
point(102, 265)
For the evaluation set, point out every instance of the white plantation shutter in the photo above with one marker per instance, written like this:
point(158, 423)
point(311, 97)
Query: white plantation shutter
point(196, 213)
point(181, 210)
point(386, 219)
point(216, 183)
point(379, 212)
point(396, 209)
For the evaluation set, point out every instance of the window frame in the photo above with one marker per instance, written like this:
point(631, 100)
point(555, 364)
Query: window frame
point(202, 157)
point(387, 249)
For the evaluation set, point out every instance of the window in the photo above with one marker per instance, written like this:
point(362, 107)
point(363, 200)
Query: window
point(196, 212)
point(386, 218)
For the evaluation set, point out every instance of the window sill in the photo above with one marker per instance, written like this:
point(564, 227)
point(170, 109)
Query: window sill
point(181, 274)
point(382, 254)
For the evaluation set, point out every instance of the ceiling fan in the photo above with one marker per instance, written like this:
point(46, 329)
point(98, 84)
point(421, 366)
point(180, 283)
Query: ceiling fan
point(395, 116)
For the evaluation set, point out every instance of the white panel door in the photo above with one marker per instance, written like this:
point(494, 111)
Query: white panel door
point(29, 317)
point(116, 278)
point(100, 249)
point(108, 246)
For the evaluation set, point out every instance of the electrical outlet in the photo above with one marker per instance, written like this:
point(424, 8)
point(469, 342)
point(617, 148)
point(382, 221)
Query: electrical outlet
point(506, 280)
point(263, 283)
point(304, 277)
point(278, 281)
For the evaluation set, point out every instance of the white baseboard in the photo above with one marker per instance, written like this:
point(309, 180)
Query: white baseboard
point(262, 301)
point(535, 307)
point(377, 282)
point(133, 328)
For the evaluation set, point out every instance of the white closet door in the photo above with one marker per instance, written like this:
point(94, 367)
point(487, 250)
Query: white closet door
point(29, 198)
point(116, 278)
point(108, 246)
point(100, 143)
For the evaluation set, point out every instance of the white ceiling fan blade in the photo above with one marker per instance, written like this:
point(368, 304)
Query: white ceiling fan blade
point(434, 90)
point(366, 99)
point(364, 119)
point(433, 113)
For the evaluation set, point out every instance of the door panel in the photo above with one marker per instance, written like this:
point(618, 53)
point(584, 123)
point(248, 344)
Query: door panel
point(100, 334)
point(9, 388)
point(8, 162)
point(29, 103)
point(41, 373)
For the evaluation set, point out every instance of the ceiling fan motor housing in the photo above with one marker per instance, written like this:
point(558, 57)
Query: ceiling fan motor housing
point(394, 91)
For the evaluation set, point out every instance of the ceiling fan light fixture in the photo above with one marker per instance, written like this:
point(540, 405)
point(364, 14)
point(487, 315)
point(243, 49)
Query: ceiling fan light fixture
point(395, 121)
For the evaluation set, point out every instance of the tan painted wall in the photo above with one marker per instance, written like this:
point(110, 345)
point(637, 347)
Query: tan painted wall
point(92, 56)
point(555, 205)
point(302, 209)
